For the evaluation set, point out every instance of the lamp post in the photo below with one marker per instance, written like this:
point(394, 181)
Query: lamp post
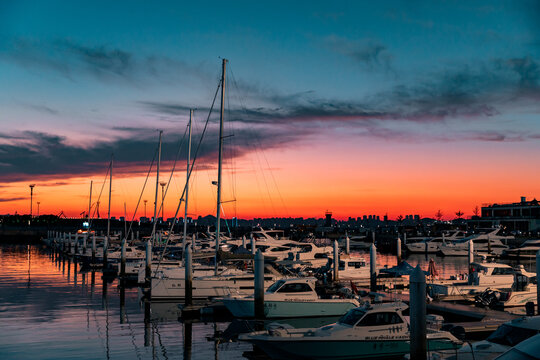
point(163, 183)
point(31, 196)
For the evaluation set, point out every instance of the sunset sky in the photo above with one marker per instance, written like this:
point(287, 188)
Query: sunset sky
point(395, 107)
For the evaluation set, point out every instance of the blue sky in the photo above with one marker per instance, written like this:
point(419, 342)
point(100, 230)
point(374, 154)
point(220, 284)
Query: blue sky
point(87, 78)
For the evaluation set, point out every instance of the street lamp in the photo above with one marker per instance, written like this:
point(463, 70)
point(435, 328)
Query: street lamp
point(163, 183)
point(145, 201)
point(31, 196)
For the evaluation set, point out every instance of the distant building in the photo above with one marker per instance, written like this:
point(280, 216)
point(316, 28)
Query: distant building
point(522, 216)
point(328, 219)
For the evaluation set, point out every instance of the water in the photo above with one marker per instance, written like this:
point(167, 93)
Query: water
point(50, 310)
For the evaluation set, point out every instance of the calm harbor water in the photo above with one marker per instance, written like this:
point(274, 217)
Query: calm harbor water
point(49, 309)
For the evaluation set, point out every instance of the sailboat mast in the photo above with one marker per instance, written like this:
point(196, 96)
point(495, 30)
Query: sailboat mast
point(187, 177)
point(110, 192)
point(218, 215)
point(90, 201)
point(157, 188)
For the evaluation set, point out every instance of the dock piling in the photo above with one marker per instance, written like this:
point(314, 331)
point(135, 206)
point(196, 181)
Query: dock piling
point(252, 240)
point(188, 288)
point(470, 254)
point(538, 287)
point(398, 252)
point(347, 244)
point(123, 259)
point(148, 268)
point(259, 285)
point(105, 248)
point(336, 261)
point(418, 314)
point(93, 249)
point(373, 268)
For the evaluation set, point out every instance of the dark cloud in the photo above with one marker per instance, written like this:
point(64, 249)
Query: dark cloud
point(48, 156)
point(369, 53)
point(2, 199)
point(104, 63)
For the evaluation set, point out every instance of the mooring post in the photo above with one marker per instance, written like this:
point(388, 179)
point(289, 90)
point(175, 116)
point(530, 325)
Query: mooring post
point(85, 238)
point(138, 235)
point(244, 241)
point(188, 297)
point(148, 268)
point(336, 261)
point(123, 259)
point(470, 254)
point(347, 244)
point(538, 286)
point(105, 248)
point(252, 240)
point(417, 305)
point(373, 268)
point(93, 249)
point(398, 252)
point(373, 237)
point(259, 285)
point(404, 238)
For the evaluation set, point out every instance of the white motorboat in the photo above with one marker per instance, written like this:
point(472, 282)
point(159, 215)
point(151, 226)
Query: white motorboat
point(483, 276)
point(526, 251)
point(484, 243)
point(523, 291)
point(506, 336)
point(433, 245)
point(229, 282)
point(295, 297)
point(368, 332)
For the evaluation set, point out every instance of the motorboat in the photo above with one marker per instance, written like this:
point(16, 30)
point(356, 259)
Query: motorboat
point(526, 251)
point(294, 297)
point(482, 276)
point(433, 245)
point(227, 283)
point(486, 242)
point(525, 350)
point(523, 291)
point(369, 332)
point(508, 335)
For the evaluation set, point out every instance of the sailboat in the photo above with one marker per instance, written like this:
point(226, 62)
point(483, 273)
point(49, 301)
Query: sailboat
point(168, 285)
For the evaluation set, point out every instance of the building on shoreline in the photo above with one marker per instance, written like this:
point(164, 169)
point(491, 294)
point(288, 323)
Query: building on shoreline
point(519, 216)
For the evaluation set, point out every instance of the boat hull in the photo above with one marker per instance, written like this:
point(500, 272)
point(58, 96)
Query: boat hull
point(244, 308)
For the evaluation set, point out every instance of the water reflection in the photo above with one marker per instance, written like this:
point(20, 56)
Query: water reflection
point(38, 287)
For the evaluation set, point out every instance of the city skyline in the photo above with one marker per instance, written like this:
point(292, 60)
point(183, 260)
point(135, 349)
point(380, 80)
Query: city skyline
point(356, 108)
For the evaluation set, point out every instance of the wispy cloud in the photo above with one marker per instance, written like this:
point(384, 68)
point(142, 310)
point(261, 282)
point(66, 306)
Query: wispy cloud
point(368, 53)
point(10, 199)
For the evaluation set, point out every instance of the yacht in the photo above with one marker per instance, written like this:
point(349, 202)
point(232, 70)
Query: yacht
point(433, 245)
point(368, 332)
point(486, 242)
point(526, 251)
point(523, 291)
point(295, 297)
point(506, 336)
point(483, 276)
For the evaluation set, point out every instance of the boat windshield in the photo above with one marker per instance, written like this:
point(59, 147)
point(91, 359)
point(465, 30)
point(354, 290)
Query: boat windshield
point(510, 335)
point(352, 317)
point(275, 286)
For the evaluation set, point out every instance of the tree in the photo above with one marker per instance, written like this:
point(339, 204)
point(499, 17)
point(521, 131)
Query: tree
point(476, 211)
point(439, 215)
point(399, 218)
point(459, 214)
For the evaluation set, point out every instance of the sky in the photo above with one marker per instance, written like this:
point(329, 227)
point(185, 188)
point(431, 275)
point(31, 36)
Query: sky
point(360, 107)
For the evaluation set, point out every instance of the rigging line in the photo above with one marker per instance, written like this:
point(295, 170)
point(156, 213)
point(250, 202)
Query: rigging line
point(173, 168)
point(141, 195)
point(99, 197)
point(258, 139)
point(232, 153)
point(189, 175)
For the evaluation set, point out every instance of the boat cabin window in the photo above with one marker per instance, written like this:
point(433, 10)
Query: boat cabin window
point(272, 288)
point(352, 317)
point(295, 288)
point(276, 249)
point(380, 318)
point(502, 271)
point(510, 335)
point(356, 264)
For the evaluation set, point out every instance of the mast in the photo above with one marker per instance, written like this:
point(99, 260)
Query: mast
point(90, 202)
point(125, 222)
point(187, 179)
point(110, 191)
point(157, 188)
point(218, 215)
